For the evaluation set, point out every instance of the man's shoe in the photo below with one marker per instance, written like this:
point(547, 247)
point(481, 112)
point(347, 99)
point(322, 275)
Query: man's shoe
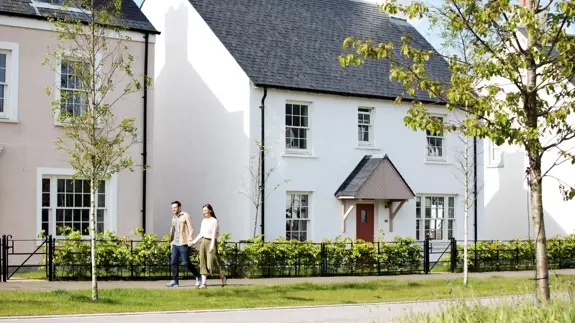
point(172, 284)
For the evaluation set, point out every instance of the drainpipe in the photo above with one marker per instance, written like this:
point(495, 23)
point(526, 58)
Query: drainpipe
point(145, 139)
point(475, 194)
point(262, 170)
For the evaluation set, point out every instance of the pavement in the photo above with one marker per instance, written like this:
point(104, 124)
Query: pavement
point(378, 312)
point(22, 284)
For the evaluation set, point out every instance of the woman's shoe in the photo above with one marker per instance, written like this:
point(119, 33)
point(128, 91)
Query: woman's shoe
point(203, 286)
point(224, 281)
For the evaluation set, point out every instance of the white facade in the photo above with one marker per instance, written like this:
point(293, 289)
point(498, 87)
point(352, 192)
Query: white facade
point(207, 120)
point(507, 198)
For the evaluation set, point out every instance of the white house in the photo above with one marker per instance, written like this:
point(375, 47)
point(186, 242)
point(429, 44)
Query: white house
point(507, 200)
point(226, 71)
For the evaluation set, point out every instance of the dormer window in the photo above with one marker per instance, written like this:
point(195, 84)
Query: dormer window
point(69, 5)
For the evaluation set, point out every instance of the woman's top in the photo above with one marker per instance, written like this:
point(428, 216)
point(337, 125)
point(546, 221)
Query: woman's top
point(210, 230)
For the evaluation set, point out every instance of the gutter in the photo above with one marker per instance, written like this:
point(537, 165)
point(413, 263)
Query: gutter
point(263, 168)
point(145, 135)
point(43, 18)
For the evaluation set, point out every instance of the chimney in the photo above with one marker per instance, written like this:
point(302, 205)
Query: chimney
point(522, 3)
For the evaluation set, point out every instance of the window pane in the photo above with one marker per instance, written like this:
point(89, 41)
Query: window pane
point(304, 110)
point(296, 109)
point(2, 61)
point(100, 215)
point(45, 199)
point(60, 200)
point(288, 109)
point(45, 215)
point(101, 200)
point(85, 215)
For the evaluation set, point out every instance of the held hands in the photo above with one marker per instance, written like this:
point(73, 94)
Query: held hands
point(211, 248)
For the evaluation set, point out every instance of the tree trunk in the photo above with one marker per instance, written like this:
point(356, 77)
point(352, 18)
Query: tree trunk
point(466, 211)
point(93, 187)
point(256, 221)
point(542, 262)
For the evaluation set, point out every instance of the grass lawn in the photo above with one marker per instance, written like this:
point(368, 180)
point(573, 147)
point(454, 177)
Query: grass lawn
point(128, 300)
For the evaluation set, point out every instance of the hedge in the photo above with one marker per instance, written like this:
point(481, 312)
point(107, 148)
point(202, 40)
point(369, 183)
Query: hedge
point(516, 254)
point(149, 256)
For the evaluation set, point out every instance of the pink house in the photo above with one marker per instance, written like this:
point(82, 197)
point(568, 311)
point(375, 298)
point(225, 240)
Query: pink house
point(35, 190)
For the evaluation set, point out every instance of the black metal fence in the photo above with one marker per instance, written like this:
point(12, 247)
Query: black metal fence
point(54, 259)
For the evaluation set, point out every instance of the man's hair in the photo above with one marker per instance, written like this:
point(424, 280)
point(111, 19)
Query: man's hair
point(177, 203)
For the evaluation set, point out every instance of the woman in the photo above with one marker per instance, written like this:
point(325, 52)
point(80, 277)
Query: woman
point(209, 259)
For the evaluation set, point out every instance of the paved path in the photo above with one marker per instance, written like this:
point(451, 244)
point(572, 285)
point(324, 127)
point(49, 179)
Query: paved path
point(30, 284)
point(368, 313)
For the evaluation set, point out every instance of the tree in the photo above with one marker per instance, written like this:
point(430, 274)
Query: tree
point(253, 190)
point(525, 46)
point(464, 166)
point(92, 58)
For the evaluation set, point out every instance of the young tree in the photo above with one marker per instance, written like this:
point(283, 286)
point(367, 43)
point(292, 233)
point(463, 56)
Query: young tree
point(94, 65)
point(524, 45)
point(253, 190)
point(466, 175)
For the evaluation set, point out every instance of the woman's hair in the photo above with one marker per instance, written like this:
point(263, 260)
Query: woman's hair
point(211, 209)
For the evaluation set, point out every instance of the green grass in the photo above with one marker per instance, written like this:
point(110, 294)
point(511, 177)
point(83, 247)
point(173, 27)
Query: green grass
point(128, 300)
point(558, 311)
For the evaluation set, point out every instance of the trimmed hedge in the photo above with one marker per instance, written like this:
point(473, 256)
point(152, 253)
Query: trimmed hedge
point(149, 256)
point(516, 254)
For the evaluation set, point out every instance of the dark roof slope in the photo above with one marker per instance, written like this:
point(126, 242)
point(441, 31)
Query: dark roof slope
point(295, 44)
point(360, 175)
point(133, 18)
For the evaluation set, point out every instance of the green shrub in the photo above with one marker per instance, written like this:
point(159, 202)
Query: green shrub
point(516, 254)
point(149, 255)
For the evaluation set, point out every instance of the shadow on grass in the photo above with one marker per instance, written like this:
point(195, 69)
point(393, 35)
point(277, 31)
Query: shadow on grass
point(75, 296)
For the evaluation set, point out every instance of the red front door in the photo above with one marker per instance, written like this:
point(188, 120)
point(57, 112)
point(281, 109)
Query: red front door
point(364, 222)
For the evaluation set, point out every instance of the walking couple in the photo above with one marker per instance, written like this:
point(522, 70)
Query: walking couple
point(181, 238)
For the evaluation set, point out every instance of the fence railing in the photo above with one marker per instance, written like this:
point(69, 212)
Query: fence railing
point(55, 259)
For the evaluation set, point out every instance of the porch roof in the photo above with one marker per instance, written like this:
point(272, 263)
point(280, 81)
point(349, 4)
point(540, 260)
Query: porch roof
point(376, 178)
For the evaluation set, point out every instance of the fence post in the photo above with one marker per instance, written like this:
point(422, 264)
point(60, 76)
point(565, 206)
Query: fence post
point(378, 259)
point(426, 255)
point(4, 258)
point(322, 255)
point(236, 260)
point(131, 259)
point(453, 254)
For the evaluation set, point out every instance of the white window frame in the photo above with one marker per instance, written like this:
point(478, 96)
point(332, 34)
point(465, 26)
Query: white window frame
point(428, 136)
point(57, 85)
point(308, 229)
point(447, 217)
point(111, 220)
point(12, 51)
point(291, 150)
point(494, 154)
point(370, 132)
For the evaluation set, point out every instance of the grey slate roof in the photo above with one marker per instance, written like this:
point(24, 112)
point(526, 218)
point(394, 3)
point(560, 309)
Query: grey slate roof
point(361, 173)
point(295, 44)
point(134, 19)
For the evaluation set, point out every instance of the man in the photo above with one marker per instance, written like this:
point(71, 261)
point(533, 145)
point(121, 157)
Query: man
point(181, 237)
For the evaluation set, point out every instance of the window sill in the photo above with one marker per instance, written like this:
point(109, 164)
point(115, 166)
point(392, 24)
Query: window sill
point(437, 162)
point(295, 155)
point(9, 121)
point(367, 148)
point(495, 166)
